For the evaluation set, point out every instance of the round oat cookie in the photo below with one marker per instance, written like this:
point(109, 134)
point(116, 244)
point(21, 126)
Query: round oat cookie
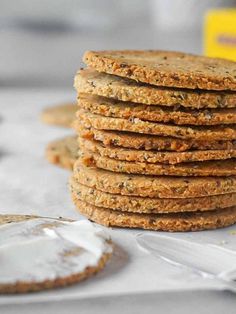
point(153, 186)
point(152, 156)
point(222, 168)
point(63, 152)
point(150, 142)
point(111, 86)
point(166, 68)
point(137, 204)
point(174, 222)
point(39, 253)
point(62, 115)
point(117, 109)
point(206, 133)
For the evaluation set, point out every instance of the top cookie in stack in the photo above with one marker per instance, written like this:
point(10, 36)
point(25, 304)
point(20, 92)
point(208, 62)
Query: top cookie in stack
point(157, 135)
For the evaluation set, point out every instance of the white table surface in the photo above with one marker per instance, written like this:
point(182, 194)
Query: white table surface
point(134, 281)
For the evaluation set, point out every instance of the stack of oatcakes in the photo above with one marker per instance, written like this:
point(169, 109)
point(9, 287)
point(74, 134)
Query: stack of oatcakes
point(157, 137)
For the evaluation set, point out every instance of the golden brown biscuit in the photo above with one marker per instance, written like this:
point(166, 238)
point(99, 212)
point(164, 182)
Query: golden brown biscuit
point(117, 109)
point(222, 168)
point(149, 205)
point(207, 133)
point(62, 115)
point(112, 86)
point(153, 186)
point(153, 156)
point(63, 152)
point(175, 222)
point(150, 142)
point(166, 68)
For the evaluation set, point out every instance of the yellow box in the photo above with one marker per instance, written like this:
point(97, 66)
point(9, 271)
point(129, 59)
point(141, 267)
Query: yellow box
point(220, 33)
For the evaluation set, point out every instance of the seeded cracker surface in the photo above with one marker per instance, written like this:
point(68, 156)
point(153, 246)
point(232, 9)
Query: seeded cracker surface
point(166, 68)
point(157, 137)
point(205, 168)
point(139, 126)
point(149, 142)
point(153, 156)
point(111, 86)
point(175, 222)
point(153, 186)
point(63, 152)
point(117, 109)
point(62, 115)
point(147, 205)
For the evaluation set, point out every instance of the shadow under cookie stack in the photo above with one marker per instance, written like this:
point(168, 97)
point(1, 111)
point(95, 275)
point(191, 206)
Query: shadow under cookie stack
point(157, 142)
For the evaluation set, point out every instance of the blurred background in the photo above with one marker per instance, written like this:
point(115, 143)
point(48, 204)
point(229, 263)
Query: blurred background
point(42, 41)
